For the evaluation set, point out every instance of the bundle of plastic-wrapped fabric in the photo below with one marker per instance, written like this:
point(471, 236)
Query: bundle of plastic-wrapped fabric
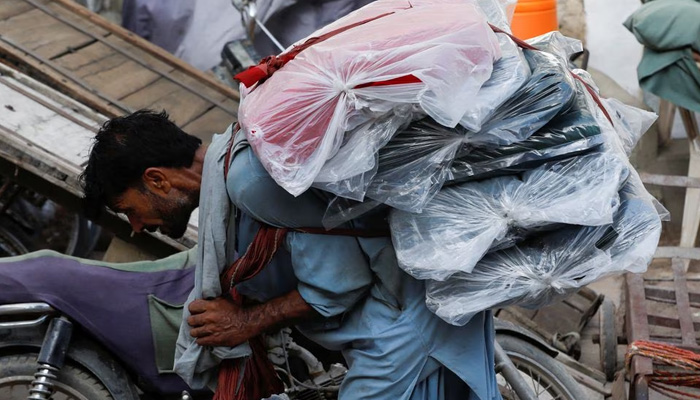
point(507, 176)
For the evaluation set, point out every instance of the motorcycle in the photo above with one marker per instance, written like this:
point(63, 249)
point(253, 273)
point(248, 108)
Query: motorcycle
point(73, 328)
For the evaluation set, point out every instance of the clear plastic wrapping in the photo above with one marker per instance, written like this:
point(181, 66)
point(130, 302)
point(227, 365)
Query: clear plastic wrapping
point(414, 165)
point(549, 89)
point(296, 120)
point(509, 74)
point(630, 122)
point(552, 266)
point(461, 223)
point(498, 12)
point(350, 171)
point(574, 131)
point(561, 46)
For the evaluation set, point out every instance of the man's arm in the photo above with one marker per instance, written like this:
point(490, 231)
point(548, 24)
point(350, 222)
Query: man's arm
point(220, 322)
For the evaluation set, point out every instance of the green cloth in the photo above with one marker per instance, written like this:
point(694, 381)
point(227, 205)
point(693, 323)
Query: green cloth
point(669, 30)
point(165, 324)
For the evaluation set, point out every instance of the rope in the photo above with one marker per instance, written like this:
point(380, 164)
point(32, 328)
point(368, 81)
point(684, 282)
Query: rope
point(667, 354)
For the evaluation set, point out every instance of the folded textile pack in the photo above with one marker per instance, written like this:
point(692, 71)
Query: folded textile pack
point(507, 176)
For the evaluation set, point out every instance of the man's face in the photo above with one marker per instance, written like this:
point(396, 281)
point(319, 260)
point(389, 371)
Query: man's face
point(149, 211)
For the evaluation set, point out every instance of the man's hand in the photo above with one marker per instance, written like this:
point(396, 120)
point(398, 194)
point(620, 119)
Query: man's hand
point(696, 55)
point(220, 322)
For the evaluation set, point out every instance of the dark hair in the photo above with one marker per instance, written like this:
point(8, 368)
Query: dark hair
point(124, 148)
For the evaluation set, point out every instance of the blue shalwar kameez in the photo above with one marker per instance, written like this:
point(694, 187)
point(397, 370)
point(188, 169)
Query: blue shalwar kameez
point(375, 314)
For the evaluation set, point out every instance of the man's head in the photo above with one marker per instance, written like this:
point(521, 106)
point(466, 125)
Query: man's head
point(142, 165)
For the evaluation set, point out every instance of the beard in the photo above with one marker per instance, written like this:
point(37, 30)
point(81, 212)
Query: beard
point(175, 214)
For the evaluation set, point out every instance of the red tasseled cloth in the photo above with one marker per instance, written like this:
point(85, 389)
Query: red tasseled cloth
point(252, 378)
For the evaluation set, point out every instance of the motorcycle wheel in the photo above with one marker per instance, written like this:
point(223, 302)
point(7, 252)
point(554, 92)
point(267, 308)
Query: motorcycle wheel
point(547, 377)
point(73, 383)
point(10, 244)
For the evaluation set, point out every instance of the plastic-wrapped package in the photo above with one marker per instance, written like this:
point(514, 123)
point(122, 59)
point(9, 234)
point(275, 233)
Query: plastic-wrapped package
point(350, 171)
point(461, 223)
point(630, 122)
point(638, 228)
point(434, 55)
point(509, 74)
point(549, 90)
point(563, 47)
point(552, 266)
point(414, 165)
point(574, 131)
point(416, 162)
point(499, 12)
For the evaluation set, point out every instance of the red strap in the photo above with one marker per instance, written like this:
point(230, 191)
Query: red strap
point(258, 255)
point(402, 80)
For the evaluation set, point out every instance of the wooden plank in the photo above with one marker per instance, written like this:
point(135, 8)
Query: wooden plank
point(691, 208)
point(42, 70)
point(110, 61)
point(670, 180)
point(57, 11)
point(683, 303)
point(182, 105)
point(637, 326)
point(84, 57)
point(212, 94)
point(42, 33)
point(689, 253)
point(121, 80)
point(213, 121)
point(150, 48)
point(11, 8)
point(147, 58)
point(667, 113)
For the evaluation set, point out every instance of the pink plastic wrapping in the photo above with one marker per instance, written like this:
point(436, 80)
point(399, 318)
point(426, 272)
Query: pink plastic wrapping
point(297, 119)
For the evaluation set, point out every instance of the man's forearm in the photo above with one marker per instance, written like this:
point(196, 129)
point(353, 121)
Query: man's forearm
point(220, 322)
point(281, 311)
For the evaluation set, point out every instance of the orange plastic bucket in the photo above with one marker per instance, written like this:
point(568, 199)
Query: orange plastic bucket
point(534, 17)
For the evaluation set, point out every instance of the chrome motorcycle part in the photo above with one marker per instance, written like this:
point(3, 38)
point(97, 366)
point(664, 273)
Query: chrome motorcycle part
point(72, 383)
point(42, 385)
point(22, 315)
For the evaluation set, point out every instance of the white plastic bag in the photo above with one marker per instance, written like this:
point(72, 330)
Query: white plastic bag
point(553, 266)
point(296, 120)
point(509, 74)
point(462, 222)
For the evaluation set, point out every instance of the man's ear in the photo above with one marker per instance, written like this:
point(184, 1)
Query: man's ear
point(156, 180)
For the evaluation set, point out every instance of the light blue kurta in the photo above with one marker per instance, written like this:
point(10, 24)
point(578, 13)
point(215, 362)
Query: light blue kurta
point(374, 313)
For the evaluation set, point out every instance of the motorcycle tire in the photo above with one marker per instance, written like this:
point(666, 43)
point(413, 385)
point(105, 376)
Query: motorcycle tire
point(72, 383)
point(547, 377)
point(12, 242)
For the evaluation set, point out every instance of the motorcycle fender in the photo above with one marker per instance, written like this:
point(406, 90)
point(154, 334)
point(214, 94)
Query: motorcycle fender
point(82, 351)
point(508, 328)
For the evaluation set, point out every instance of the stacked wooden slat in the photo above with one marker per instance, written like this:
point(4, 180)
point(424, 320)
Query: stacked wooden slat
point(109, 68)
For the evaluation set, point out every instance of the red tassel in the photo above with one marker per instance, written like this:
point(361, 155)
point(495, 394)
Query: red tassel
point(259, 378)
